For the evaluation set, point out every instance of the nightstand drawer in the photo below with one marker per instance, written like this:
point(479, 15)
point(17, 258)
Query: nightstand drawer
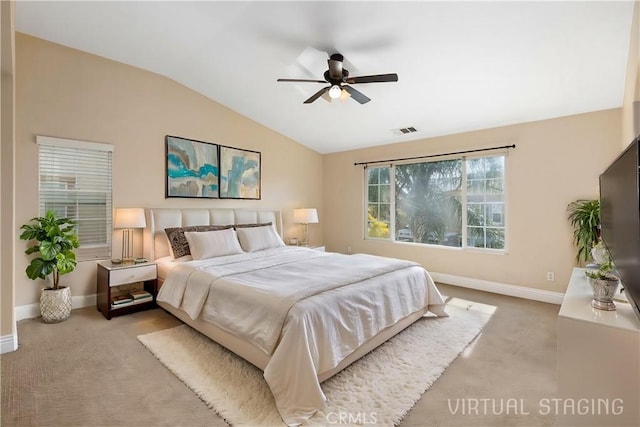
point(132, 275)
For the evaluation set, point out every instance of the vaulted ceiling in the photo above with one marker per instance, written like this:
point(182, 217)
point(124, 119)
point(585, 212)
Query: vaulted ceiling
point(462, 65)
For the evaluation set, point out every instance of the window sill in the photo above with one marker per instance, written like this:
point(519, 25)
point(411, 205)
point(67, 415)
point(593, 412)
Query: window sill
point(430, 246)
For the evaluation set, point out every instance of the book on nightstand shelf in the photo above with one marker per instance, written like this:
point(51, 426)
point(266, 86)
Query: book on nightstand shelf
point(140, 294)
point(121, 299)
point(126, 300)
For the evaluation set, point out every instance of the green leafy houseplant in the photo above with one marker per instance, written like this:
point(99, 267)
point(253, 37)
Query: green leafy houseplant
point(604, 282)
point(604, 271)
point(56, 240)
point(584, 216)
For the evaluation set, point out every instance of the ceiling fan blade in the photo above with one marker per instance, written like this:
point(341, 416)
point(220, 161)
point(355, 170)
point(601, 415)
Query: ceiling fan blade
point(357, 95)
point(378, 78)
point(317, 95)
point(301, 80)
point(335, 66)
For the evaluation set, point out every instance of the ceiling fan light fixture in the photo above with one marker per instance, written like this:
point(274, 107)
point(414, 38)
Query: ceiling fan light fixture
point(340, 84)
point(335, 91)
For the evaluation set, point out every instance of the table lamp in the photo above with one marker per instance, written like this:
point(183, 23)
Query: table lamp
point(305, 217)
point(127, 219)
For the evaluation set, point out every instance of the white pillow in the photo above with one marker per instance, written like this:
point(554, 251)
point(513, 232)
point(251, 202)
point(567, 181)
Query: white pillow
point(210, 244)
point(259, 238)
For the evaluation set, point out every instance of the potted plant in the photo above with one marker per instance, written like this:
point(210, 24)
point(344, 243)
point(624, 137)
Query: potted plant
point(604, 283)
point(584, 216)
point(56, 240)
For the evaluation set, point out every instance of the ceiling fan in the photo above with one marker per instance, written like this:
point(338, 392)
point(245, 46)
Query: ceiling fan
point(339, 81)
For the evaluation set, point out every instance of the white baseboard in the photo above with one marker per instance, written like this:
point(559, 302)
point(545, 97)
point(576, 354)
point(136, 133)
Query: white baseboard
point(31, 311)
point(8, 343)
point(500, 288)
point(81, 301)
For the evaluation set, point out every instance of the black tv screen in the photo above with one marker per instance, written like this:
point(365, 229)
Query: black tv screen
point(620, 219)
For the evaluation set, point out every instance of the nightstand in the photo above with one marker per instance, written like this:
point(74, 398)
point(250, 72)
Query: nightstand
point(117, 281)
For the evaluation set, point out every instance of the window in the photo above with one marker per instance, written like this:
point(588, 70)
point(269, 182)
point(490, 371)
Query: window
point(378, 202)
point(457, 202)
point(485, 202)
point(75, 182)
point(428, 201)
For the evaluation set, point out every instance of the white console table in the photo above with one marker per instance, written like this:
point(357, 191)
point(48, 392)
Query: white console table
point(598, 358)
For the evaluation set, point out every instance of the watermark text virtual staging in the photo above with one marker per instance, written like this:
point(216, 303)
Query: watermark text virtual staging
point(544, 406)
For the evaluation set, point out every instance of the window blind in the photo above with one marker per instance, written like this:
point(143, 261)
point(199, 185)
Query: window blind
point(75, 182)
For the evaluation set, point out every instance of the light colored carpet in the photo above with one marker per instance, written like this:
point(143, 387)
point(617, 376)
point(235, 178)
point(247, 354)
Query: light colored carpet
point(379, 389)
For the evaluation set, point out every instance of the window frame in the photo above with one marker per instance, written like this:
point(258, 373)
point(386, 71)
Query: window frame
point(93, 251)
point(463, 196)
point(392, 204)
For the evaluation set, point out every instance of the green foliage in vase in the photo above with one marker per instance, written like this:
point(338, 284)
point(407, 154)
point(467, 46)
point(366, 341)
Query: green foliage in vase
point(584, 216)
point(604, 271)
point(56, 240)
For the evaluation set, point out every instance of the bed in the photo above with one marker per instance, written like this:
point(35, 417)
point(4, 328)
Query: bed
point(298, 314)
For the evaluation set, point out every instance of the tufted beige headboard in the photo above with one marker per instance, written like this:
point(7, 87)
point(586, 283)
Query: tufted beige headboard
point(156, 244)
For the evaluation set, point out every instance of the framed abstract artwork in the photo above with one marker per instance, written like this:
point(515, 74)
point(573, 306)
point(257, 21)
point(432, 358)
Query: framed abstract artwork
point(239, 173)
point(192, 168)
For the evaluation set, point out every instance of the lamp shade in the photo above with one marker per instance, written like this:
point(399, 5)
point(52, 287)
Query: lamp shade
point(129, 218)
point(305, 216)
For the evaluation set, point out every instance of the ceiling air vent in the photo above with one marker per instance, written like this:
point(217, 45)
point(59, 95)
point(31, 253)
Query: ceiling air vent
point(405, 131)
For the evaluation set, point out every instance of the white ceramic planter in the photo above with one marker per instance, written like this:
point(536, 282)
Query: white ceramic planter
point(55, 304)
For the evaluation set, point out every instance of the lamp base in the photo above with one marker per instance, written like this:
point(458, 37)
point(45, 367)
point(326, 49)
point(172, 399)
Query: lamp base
point(305, 235)
point(127, 247)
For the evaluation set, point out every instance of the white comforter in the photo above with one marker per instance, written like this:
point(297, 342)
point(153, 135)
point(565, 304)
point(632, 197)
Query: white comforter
point(307, 309)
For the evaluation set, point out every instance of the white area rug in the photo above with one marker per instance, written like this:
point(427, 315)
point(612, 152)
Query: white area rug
point(379, 389)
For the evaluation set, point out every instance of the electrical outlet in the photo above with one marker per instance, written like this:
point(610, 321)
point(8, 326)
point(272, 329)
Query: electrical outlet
point(551, 276)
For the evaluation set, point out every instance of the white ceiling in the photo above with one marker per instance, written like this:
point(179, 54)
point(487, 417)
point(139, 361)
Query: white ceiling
point(461, 65)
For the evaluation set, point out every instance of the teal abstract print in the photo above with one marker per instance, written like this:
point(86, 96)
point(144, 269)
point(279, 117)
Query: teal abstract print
point(192, 168)
point(239, 173)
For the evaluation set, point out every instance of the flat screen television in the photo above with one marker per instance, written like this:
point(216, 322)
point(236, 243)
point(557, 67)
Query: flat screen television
point(620, 219)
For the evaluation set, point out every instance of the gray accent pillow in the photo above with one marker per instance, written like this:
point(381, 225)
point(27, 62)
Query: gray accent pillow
point(178, 242)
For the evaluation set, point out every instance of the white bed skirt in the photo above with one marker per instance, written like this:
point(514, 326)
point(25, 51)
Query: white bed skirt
point(256, 357)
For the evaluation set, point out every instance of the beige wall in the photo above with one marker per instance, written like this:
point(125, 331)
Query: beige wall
point(631, 101)
point(554, 162)
point(66, 93)
point(7, 132)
